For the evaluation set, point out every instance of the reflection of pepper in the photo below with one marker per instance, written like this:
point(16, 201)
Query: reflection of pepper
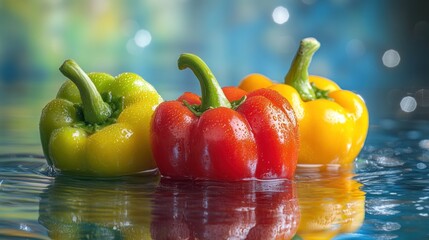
point(254, 137)
point(219, 210)
point(72, 208)
point(333, 123)
point(98, 124)
point(332, 205)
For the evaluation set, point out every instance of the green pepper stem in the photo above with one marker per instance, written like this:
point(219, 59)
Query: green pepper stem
point(95, 110)
point(297, 76)
point(212, 95)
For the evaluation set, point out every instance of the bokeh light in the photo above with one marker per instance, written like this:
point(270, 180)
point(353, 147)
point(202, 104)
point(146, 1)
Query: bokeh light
point(408, 104)
point(280, 15)
point(391, 58)
point(142, 38)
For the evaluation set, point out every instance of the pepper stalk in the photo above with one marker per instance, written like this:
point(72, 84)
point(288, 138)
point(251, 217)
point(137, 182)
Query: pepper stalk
point(95, 110)
point(212, 95)
point(297, 76)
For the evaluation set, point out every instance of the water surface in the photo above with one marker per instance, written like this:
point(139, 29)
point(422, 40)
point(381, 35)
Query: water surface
point(385, 195)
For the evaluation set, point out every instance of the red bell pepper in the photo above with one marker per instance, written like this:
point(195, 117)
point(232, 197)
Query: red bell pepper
point(224, 135)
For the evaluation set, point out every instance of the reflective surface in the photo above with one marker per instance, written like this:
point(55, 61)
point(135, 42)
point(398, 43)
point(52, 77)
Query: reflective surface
point(385, 196)
point(331, 203)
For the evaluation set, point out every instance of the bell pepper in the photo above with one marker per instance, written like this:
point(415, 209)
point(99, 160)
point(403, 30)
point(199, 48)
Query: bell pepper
point(99, 125)
point(333, 123)
point(220, 139)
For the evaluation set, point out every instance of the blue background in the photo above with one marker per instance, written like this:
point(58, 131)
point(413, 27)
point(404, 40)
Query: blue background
point(235, 38)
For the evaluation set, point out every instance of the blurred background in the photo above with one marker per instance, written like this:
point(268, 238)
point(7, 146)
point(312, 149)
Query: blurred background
point(378, 49)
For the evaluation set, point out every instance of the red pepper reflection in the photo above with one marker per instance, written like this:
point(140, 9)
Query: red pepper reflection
point(215, 210)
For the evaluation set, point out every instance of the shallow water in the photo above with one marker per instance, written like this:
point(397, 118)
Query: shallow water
point(385, 196)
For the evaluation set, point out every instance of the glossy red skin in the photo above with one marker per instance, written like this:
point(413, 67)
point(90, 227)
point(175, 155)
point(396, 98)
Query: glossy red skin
point(257, 140)
point(170, 128)
point(223, 147)
point(190, 98)
point(275, 129)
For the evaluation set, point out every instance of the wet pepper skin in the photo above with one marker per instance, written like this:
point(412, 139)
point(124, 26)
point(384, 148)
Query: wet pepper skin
point(333, 123)
point(99, 125)
point(226, 135)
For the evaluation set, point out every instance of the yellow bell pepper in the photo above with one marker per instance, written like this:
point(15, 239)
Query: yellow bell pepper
point(333, 123)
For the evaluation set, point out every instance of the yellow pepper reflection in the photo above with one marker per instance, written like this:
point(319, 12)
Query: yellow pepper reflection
point(331, 203)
